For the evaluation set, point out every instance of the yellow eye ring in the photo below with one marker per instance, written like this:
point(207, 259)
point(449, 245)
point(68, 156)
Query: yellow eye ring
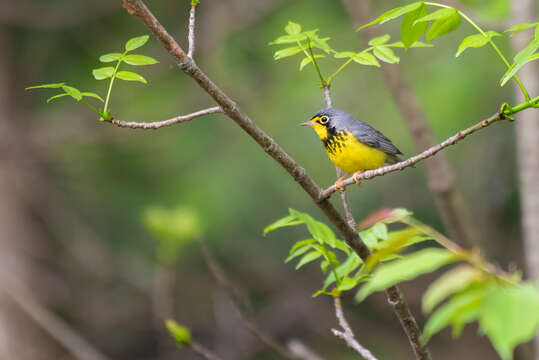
point(324, 120)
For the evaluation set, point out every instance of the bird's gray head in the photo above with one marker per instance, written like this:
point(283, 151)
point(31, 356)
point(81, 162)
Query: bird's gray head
point(328, 121)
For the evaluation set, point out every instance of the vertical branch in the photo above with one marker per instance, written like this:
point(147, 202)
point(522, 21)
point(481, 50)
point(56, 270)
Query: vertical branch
point(347, 334)
point(527, 142)
point(440, 174)
point(191, 36)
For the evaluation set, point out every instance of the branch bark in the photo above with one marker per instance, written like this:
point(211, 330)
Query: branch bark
point(191, 35)
point(527, 142)
point(440, 174)
point(159, 124)
point(347, 334)
point(138, 8)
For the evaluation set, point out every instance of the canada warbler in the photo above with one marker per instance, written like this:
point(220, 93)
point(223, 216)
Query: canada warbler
point(352, 145)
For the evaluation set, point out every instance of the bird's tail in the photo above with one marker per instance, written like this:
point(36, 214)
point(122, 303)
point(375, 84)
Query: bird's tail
point(393, 158)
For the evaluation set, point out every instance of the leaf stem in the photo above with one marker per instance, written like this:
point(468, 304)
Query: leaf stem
point(509, 66)
point(112, 82)
point(324, 83)
point(97, 111)
point(525, 105)
point(345, 64)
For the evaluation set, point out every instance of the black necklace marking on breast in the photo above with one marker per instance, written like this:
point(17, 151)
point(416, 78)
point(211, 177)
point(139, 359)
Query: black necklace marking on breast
point(335, 140)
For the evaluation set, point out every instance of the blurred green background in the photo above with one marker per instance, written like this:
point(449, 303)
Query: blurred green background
point(84, 186)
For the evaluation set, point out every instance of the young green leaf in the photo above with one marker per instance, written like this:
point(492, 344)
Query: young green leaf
point(56, 97)
point(46, 86)
point(444, 24)
point(365, 58)
point(344, 54)
point(71, 91)
point(385, 54)
point(411, 31)
point(524, 54)
point(292, 28)
point(288, 39)
point(110, 57)
point(135, 59)
point(417, 44)
point(437, 15)
point(343, 270)
point(393, 14)
point(515, 29)
point(136, 42)
point(450, 312)
point(348, 283)
point(130, 76)
point(406, 268)
point(313, 255)
point(308, 60)
point(300, 244)
point(380, 40)
point(289, 220)
point(321, 44)
point(476, 41)
point(318, 230)
point(287, 52)
point(446, 285)
point(380, 230)
point(510, 316)
point(93, 95)
point(181, 334)
point(103, 73)
point(521, 59)
point(298, 252)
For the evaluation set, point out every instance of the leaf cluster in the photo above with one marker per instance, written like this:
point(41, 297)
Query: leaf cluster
point(107, 72)
point(506, 309)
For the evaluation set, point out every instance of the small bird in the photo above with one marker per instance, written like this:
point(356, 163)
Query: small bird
point(352, 145)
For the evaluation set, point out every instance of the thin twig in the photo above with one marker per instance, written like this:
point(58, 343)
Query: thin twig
point(415, 159)
point(202, 351)
point(191, 35)
point(52, 324)
point(400, 307)
point(160, 124)
point(348, 335)
point(327, 95)
point(225, 283)
point(301, 351)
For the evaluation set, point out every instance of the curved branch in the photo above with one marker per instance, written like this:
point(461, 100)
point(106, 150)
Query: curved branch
point(415, 159)
point(160, 124)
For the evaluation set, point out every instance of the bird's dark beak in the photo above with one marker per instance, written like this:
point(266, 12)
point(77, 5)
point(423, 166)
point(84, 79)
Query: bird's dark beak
point(307, 123)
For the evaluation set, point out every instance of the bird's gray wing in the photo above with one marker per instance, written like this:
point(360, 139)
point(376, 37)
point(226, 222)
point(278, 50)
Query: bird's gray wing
point(372, 137)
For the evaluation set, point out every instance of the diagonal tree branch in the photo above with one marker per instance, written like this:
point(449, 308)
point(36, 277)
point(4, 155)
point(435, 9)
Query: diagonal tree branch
point(347, 334)
point(138, 8)
point(415, 159)
point(160, 124)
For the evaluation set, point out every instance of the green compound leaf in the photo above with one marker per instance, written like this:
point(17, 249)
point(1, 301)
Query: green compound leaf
point(385, 54)
point(515, 29)
point(410, 31)
point(380, 40)
point(46, 86)
point(292, 28)
point(181, 334)
point(309, 60)
point(320, 231)
point(521, 59)
point(135, 59)
point(289, 220)
point(309, 257)
point(73, 92)
point(136, 42)
point(110, 57)
point(343, 270)
point(321, 43)
point(344, 54)
point(279, 54)
point(466, 304)
point(365, 58)
point(56, 97)
point(417, 44)
point(288, 39)
point(393, 14)
point(130, 76)
point(93, 95)
point(510, 316)
point(524, 54)
point(103, 73)
point(451, 282)
point(476, 41)
point(405, 268)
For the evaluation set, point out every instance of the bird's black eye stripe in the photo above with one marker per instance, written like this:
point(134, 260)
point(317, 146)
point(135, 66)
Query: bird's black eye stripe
point(324, 120)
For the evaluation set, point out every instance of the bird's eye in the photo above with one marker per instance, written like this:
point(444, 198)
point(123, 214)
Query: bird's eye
point(324, 120)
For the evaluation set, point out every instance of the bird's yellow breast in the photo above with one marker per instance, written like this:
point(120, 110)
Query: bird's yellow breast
point(348, 153)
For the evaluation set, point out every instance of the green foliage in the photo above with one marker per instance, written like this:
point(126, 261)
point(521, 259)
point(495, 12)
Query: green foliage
point(476, 41)
point(526, 55)
point(107, 72)
point(173, 229)
point(507, 311)
point(181, 334)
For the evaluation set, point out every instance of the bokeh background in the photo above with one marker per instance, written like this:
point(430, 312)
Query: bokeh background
point(75, 192)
